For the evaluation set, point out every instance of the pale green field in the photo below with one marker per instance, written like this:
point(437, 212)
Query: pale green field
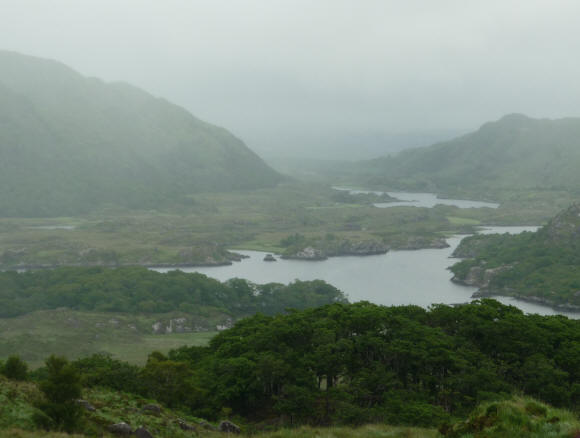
point(75, 334)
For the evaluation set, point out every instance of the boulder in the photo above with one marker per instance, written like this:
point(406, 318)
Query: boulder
point(229, 427)
point(308, 253)
point(151, 409)
point(158, 328)
point(185, 426)
point(207, 425)
point(85, 404)
point(269, 258)
point(120, 429)
point(141, 432)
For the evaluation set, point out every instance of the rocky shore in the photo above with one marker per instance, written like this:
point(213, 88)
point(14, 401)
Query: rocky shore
point(341, 248)
point(207, 262)
point(481, 278)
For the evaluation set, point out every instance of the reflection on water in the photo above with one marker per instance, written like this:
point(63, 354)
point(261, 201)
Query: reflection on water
point(416, 277)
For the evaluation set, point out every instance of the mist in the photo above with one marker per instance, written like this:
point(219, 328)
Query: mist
point(326, 79)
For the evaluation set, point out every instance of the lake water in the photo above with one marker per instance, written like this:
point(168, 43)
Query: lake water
point(416, 277)
point(429, 200)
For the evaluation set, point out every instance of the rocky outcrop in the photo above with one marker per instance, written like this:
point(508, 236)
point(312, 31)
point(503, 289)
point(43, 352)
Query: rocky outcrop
point(86, 405)
point(359, 248)
point(229, 427)
point(506, 292)
point(420, 242)
point(186, 426)
point(269, 258)
point(141, 432)
point(208, 426)
point(122, 429)
point(152, 409)
point(308, 253)
point(334, 248)
point(479, 276)
point(173, 325)
point(226, 324)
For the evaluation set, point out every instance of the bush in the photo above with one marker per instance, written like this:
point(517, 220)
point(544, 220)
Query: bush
point(15, 368)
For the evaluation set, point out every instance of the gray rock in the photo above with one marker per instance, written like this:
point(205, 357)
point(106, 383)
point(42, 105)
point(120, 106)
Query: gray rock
point(158, 328)
point(184, 426)
point(229, 427)
point(269, 258)
point(120, 429)
point(141, 432)
point(152, 409)
point(308, 253)
point(207, 426)
point(85, 404)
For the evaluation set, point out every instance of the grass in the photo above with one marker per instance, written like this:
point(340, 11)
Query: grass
point(137, 353)
point(462, 220)
point(76, 334)
point(520, 417)
point(255, 220)
point(17, 400)
point(369, 431)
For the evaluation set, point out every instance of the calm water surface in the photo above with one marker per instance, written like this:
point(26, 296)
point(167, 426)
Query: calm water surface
point(399, 277)
point(428, 200)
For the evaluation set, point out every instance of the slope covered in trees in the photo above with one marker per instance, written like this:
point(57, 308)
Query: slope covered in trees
point(345, 364)
point(513, 153)
point(541, 266)
point(69, 143)
point(362, 363)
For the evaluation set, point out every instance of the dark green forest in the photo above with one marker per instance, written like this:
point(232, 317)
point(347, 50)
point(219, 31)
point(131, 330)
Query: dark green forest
point(541, 265)
point(139, 290)
point(360, 363)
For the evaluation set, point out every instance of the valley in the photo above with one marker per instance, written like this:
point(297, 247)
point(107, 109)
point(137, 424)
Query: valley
point(157, 275)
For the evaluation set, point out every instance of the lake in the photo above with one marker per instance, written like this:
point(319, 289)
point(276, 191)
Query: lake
point(416, 277)
point(428, 200)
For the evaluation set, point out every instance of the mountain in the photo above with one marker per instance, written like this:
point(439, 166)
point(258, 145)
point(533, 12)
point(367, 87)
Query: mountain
point(540, 267)
point(69, 143)
point(515, 152)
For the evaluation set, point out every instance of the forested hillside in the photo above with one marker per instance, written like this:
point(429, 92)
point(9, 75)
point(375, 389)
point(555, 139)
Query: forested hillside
point(541, 266)
point(353, 364)
point(69, 144)
point(513, 153)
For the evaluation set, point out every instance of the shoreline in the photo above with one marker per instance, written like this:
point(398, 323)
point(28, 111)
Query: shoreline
point(482, 293)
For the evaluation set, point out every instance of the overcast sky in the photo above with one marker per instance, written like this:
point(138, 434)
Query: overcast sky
point(292, 77)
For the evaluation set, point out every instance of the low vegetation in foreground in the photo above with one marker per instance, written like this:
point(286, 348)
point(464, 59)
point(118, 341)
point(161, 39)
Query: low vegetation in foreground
point(20, 417)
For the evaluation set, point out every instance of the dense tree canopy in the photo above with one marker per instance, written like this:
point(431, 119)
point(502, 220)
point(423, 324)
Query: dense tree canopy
point(540, 265)
point(139, 290)
point(360, 363)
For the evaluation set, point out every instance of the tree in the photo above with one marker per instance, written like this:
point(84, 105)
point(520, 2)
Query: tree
point(61, 389)
point(15, 368)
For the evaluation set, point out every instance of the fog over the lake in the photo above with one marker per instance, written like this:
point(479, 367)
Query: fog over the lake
point(347, 79)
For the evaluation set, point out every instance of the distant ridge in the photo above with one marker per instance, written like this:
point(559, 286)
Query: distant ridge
point(69, 144)
point(515, 152)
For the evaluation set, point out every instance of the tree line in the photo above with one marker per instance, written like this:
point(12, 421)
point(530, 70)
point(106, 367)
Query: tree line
point(359, 363)
point(139, 290)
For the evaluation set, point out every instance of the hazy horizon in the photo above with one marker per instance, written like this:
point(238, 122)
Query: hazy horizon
point(337, 79)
